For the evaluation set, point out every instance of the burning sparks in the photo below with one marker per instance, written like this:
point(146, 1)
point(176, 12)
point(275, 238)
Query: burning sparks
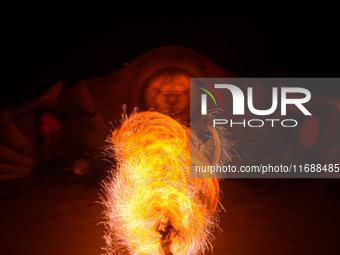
point(152, 204)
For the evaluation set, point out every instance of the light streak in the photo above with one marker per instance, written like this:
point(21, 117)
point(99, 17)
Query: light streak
point(152, 205)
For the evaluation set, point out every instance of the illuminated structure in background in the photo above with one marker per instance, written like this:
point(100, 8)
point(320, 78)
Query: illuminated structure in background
point(152, 204)
point(158, 79)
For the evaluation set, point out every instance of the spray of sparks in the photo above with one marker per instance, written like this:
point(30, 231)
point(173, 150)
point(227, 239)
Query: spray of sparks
point(152, 205)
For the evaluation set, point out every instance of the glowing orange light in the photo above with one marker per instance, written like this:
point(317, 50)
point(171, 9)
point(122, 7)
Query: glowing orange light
point(152, 204)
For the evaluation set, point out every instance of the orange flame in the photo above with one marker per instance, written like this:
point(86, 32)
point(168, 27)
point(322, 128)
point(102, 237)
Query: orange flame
point(152, 204)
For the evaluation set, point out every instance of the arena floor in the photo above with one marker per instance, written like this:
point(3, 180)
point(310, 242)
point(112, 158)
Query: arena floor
point(61, 216)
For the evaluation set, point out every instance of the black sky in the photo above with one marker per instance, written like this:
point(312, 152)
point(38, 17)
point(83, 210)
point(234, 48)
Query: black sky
point(44, 42)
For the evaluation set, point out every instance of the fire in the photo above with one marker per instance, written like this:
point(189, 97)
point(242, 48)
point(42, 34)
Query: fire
point(152, 204)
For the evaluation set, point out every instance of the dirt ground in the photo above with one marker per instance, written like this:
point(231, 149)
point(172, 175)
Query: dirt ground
point(62, 217)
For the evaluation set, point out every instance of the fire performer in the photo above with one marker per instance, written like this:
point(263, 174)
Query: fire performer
point(152, 204)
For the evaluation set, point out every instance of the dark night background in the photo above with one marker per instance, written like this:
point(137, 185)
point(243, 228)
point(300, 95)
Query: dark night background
point(44, 42)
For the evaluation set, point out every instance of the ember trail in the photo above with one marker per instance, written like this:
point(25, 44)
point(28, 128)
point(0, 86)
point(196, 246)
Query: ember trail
point(152, 204)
